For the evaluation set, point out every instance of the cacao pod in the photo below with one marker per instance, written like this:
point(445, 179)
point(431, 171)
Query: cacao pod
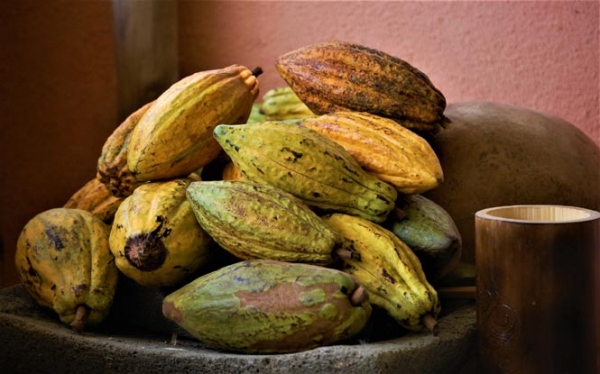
point(155, 237)
point(112, 168)
point(430, 232)
point(266, 306)
point(389, 270)
point(174, 137)
point(255, 114)
point(282, 103)
point(64, 262)
point(308, 165)
point(95, 197)
point(382, 147)
point(256, 221)
point(231, 172)
point(341, 76)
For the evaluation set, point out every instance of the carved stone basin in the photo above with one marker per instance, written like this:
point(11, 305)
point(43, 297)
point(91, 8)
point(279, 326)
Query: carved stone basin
point(33, 341)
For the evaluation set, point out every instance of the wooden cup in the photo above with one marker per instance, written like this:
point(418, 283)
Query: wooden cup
point(538, 289)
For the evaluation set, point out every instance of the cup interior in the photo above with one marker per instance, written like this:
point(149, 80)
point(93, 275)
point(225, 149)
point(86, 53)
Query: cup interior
point(538, 213)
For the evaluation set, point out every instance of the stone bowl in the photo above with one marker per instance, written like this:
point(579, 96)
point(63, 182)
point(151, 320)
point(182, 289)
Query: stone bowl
point(140, 340)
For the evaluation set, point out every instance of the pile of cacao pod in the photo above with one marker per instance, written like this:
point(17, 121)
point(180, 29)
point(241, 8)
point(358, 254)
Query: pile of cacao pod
point(315, 191)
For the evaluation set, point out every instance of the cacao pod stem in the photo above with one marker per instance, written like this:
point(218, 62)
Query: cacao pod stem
point(174, 338)
point(343, 253)
point(399, 213)
point(257, 71)
point(80, 315)
point(359, 296)
point(431, 323)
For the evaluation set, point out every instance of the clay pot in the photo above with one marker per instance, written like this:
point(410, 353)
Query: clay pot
point(496, 154)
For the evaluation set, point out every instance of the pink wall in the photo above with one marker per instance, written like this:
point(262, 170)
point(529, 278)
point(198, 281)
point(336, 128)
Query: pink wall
point(58, 83)
point(541, 55)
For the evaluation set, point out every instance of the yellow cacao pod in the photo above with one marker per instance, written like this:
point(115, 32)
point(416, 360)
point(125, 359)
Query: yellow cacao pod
point(95, 197)
point(155, 237)
point(389, 271)
point(259, 221)
point(112, 168)
point(64, 262)
point(392, 152)
point(174, 137)
point(341, 76)
point(308, 165)
point(231, 172)
point(282, 103)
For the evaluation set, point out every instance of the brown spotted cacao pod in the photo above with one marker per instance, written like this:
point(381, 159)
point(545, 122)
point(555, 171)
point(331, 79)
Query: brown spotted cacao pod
point(341, 76)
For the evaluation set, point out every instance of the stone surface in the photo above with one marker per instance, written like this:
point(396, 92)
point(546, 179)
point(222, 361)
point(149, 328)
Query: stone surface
point(35, 342)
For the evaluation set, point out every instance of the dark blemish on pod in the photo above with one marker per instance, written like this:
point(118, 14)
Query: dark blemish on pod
point(79, 290)
point(295, 155)
point(382, 290)
point(305, 142)
point(239, 279)
point(55, 238)
point(387, 276)
point(349, 169)
point(232, 145)
point(147, 252)
point(31, 270)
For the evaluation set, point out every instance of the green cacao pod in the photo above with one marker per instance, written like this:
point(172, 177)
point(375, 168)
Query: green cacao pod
point(282, 103)
point(253, 221)
point(430, 232)
point(266, 306)
point(308, 165)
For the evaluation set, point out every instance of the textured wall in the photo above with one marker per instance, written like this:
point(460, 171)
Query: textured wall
point(59, 88)
point(541, 55)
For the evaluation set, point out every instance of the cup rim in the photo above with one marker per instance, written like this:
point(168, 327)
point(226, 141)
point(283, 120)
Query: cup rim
point(538, 213)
